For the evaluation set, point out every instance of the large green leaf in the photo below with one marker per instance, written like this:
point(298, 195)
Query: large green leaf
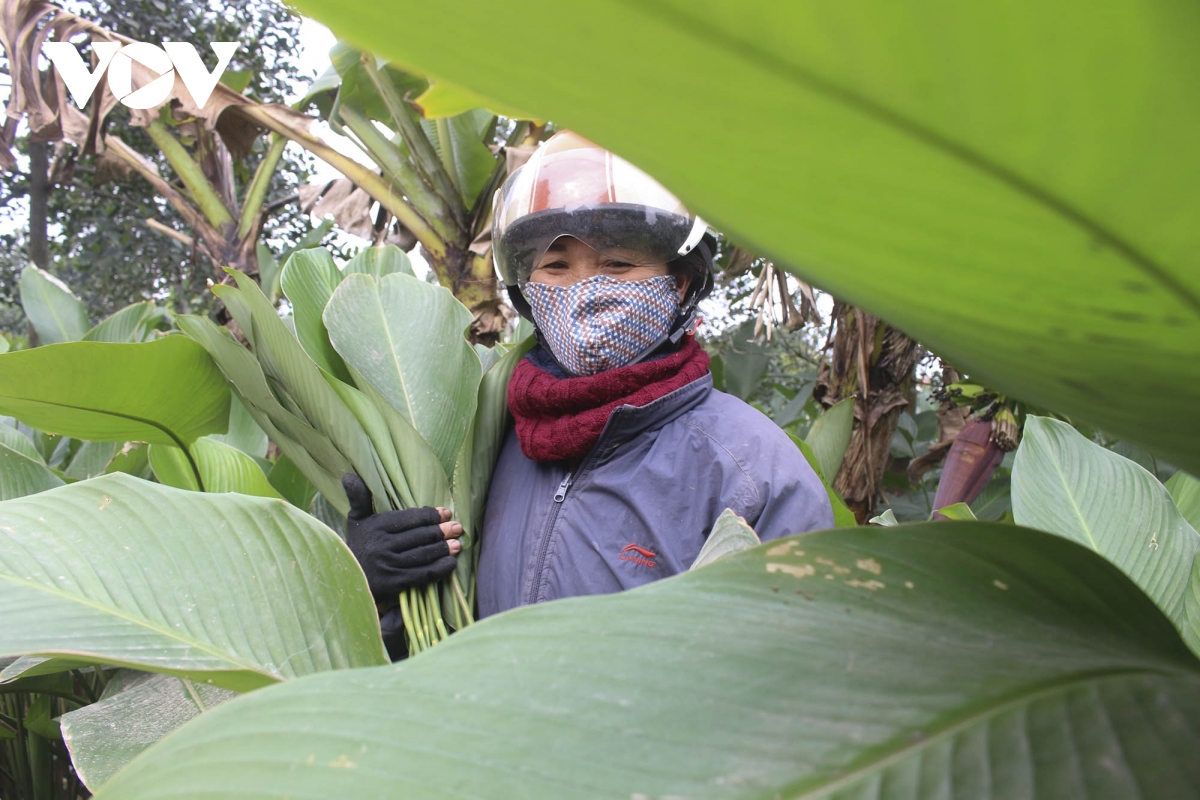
point(309, 278)
point(130, 324)
point(164, 392)
point(231, 590)
point(406, 338)
point(57, 314)
point(136, 710)
point(223, 468)
point(1066, 484)
point(1035, 162)
point(21, 475)
point(829, 437)
point(800, 668)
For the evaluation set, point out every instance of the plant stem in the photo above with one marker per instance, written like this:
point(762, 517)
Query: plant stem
point(365, 177)
point(406, 615)
point(465, 616)
point(435, 607)
point(413, 135)
point(192, 176)
point(431, 207)
point(252, 204)
point(443, 130)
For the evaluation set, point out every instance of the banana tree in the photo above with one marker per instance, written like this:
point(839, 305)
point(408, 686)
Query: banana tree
point(201, 144)
point(872, 362)
point(441, 162)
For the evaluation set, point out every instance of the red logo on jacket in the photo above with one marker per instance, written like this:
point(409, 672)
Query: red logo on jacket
point(638, 555)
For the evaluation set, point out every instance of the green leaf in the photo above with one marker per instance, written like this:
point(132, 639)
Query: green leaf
point(309, 448)
point(291, 483)
point(130, 324)
point(21, 474)
point(244, 433)
point(268, 270)
point(994, 501)
point(356, 89)
point(165, 392)
point(379, 261)
point(730, 534)
point(223, 468)
point(406, 339)
point(829, 436)
point(878, 151)
point(443, 99)
point(231, 590)
point(957, 511)
point(473, 161)
point(236, 79)
point(55, 313)
point(487, 435)
point(134, 459)
point(1068, 485)
point(91, 459)
point(843, 517)
point(135, 711)
point(13, 439)
point(38, 719)
point(309, 278)
point(757, 676)
point(887, 519)
point(744, 364)
point(1185, 491)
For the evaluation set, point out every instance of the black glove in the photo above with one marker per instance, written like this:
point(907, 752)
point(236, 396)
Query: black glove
point(398, 550)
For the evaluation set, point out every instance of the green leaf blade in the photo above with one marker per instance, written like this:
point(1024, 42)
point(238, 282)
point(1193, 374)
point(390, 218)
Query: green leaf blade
point(829, 437)
point(57, 314)
point(309, 278)
point(1185, 491)
point(130, 324)
point(406, 338)
point(165, 391)
point(233, 590)
point(720, 672)
point(223, 468)
point(1065, 484)
point(21, 475)
point(136, 710)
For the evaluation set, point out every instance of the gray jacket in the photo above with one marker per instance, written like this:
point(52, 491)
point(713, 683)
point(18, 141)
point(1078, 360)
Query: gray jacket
point(641, 503)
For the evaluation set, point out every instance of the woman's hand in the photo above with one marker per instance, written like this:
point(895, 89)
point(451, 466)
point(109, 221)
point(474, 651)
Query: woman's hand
point(399, 550)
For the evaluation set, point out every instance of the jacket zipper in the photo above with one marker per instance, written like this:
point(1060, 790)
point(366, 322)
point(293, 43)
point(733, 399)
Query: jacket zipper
point(560, 494)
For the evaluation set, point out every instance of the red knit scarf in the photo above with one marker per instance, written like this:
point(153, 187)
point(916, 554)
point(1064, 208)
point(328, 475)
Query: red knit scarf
point(561, 418)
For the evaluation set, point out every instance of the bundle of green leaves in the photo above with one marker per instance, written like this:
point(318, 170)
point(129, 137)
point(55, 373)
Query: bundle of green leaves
point(375, 376)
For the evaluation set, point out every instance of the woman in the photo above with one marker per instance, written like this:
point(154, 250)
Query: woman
point(622, 455)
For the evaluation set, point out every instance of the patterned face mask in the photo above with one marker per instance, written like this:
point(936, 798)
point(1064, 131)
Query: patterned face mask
point(602, 322)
